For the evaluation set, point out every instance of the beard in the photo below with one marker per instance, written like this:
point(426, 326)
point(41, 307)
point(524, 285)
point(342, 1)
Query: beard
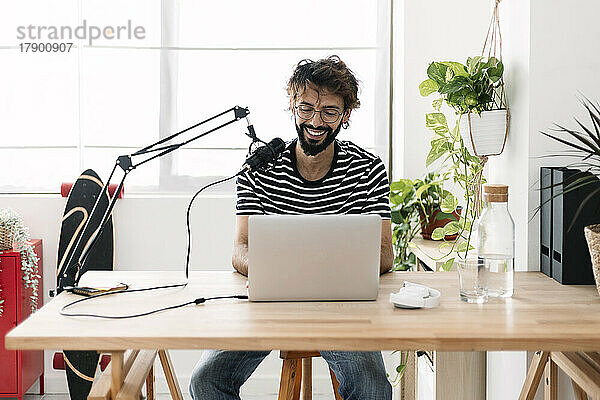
point(310, 146)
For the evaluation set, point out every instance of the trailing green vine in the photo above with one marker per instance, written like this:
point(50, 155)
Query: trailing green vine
point(400, 369)
point(465, 170)
point(12, 222)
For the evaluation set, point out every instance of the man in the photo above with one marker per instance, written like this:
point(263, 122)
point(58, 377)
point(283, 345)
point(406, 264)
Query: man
point(316, 174)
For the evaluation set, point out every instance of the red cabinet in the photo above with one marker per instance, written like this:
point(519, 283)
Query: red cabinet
point(18, 369)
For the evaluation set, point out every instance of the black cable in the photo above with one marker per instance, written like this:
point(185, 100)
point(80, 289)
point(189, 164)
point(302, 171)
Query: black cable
point(199, 300)
point(187, 265)
point(189, 234)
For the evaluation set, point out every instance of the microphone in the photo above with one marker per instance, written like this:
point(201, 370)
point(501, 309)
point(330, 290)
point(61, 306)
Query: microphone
point(264, 155)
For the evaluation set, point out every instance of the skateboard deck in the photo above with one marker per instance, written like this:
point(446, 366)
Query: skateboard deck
point(81, 365)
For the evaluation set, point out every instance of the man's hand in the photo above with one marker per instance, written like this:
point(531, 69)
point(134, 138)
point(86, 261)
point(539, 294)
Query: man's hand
point(386, 259)
point(239, 260)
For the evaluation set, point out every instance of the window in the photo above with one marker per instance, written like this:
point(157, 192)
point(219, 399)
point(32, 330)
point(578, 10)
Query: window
point(65, 112)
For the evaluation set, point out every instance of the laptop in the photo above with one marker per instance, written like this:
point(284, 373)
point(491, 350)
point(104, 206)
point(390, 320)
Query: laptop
point(313, 257)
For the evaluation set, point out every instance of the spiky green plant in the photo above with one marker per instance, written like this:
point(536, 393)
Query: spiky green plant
point(584, 145)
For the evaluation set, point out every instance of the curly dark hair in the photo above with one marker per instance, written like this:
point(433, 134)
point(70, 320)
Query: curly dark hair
point(329, 73)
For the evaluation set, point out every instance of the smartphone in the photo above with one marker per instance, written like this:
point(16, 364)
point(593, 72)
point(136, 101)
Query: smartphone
point(92, 291)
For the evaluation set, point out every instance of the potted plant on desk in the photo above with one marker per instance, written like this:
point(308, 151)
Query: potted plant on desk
point(418, 205)
point(432, 212)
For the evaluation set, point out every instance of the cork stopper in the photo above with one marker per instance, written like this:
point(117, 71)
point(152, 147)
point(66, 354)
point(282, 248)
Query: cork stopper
point(495, 193)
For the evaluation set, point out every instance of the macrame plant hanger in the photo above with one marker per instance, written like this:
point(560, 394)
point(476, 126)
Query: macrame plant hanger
point(492, 47)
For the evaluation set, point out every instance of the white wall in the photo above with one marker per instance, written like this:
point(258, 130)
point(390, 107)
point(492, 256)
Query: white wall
point(150, 235)
point(426, 31)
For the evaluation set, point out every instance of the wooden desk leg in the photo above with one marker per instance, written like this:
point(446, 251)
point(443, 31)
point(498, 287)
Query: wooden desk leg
point(551, 381)
point(128, 360)
point(169, 371)
point(150, 393)
point(117, 375)
point(578, 392)
point(534, 375)
point(581, 369)
point(136, 377)
point(102, 386)
point(408, 383)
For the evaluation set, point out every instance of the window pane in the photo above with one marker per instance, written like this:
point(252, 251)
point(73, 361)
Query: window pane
point(213, 81)
point(120, 96)
point(37, 169)
point(276, 23)
point(103, 160)
point(117, 13)
point(34, 12)
point(38, 103)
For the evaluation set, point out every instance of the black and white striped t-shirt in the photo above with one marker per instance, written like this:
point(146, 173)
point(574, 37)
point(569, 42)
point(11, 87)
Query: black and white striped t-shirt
point(356, 183)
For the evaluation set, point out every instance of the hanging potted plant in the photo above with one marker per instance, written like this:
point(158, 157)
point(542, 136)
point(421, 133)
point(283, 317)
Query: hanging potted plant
point(14, 235)
point(476, 93)
point(586, 148)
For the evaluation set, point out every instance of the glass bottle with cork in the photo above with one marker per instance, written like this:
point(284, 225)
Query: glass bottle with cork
point(496, 241)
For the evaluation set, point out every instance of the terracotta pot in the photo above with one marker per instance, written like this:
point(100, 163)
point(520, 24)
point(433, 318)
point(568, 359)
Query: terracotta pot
point(592, 235)
point(437, 220)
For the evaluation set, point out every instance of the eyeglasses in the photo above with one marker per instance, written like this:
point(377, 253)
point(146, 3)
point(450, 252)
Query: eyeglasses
point(328, 116)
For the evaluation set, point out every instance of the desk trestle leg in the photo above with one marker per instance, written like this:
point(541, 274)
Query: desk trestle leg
point(551, 381)
point(582, 368)
point(167, 366)
point(534, 375)
point(125, 375)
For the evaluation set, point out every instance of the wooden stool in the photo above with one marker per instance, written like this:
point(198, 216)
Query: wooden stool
point(297, 372)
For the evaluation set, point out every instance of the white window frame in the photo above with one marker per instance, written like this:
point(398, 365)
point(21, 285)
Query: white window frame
point(170, 183)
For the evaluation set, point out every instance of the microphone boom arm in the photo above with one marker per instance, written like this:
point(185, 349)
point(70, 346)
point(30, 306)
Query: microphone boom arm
point(72, 271)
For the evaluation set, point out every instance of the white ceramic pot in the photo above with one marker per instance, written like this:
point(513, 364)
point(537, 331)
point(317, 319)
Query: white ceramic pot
point(488, 132)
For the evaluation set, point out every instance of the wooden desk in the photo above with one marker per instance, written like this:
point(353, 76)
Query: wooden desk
point(542, 315)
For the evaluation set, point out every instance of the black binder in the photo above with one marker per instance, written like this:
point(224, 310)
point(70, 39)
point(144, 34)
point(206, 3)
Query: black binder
point(564, 252)
point(546, 194)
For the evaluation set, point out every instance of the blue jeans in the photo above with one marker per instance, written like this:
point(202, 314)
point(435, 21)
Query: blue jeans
point(220, 374)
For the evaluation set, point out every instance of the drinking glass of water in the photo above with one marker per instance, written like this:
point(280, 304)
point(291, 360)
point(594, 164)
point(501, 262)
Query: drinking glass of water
point(472, 280)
